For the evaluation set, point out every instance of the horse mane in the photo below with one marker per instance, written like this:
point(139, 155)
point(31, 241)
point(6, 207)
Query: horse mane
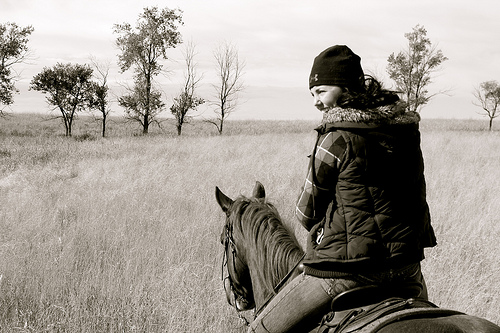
point(272, 244)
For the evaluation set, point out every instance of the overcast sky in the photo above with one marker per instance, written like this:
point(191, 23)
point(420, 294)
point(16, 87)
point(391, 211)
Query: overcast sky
point(278, 41)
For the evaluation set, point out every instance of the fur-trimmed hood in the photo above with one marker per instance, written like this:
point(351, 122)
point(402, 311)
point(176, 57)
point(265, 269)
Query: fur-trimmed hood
point(384, 115)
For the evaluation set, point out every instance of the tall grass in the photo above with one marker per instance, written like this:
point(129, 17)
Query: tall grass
point(122, 234)
point(463, 179)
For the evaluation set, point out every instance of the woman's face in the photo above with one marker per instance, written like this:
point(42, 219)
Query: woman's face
point(325, 97)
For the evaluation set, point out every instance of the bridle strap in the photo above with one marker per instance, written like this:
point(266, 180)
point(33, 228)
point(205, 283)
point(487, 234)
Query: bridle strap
point(229, 245)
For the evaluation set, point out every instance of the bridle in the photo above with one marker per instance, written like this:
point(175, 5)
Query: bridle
point(243, 300)
point(234, 286)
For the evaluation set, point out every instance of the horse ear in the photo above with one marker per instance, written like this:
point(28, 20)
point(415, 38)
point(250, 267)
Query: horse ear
point(258, 191)
point(223, 200)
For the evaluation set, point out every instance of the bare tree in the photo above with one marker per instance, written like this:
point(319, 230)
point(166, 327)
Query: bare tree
point(411, 69)
point(488, 98)
point(98, 98)
point(13, 50)
point(142, 48)
point(187, 100)
point(229, 73)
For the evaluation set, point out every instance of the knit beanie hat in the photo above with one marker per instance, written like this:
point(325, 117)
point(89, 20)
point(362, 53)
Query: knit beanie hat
point(339, 66)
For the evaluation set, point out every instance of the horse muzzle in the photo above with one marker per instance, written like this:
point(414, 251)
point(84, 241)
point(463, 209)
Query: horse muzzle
point(238, 302)
point(231, 299)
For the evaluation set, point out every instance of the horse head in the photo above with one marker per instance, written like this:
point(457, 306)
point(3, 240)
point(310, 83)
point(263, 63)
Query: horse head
point(260, 252)
point(237, 283)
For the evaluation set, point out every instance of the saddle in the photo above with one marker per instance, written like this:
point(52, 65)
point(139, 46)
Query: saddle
point(369, 308)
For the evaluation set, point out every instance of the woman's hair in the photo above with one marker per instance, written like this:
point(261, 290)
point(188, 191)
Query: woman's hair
point(372, 95)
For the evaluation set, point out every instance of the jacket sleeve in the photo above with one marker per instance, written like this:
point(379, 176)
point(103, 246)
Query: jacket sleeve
point(319, 188)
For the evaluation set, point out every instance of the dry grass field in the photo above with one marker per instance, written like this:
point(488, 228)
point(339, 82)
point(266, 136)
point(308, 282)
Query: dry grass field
point(122, 234)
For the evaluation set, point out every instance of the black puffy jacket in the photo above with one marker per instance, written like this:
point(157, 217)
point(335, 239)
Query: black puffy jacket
point(364, 201)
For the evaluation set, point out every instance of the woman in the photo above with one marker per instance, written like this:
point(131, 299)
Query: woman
point(364, 199)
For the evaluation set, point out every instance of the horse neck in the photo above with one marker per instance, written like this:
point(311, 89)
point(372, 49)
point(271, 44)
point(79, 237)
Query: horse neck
point(271, 250)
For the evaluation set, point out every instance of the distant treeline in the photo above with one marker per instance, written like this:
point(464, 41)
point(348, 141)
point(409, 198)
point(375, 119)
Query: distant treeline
point(88, 128)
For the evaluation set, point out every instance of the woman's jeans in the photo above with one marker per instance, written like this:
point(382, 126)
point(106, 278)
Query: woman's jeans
point(306, 299)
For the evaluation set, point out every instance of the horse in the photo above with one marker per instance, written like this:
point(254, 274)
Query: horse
point(261, 255)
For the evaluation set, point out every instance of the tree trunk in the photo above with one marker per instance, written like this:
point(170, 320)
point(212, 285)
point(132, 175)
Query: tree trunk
point(145, 125)
point(65, 119)
point(180, 119)
point(220, 127)
point(70, 123)
point(66, 126)
point(145, 128)
point(103, 124)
